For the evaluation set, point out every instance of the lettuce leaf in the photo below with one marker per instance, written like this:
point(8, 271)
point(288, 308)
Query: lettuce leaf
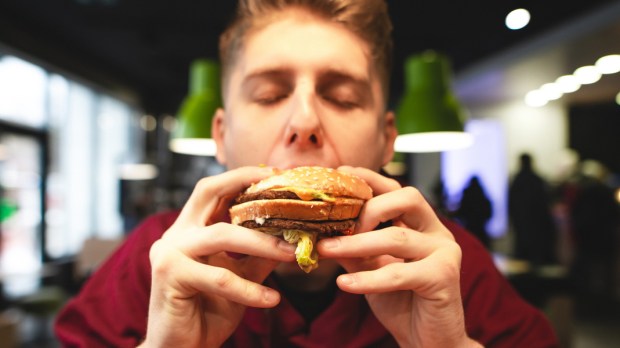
point(307, 257)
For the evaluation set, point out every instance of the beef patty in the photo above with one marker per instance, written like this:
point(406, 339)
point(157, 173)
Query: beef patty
point(324, 228)
point(269, 194)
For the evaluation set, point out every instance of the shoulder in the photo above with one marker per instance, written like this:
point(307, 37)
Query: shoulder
point(162, 219)
point(154, 226)
point(139, 240)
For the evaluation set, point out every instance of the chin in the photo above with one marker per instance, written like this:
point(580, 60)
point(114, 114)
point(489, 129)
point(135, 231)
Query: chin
point(288, 268)
point(291, 269)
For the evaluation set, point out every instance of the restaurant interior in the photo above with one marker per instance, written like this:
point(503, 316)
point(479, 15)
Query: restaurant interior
point(93, 95)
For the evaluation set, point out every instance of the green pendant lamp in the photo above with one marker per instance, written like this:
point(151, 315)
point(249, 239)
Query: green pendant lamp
point(192, 132)
point(429, 117)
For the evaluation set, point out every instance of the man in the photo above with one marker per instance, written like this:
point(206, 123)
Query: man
point(303, 84)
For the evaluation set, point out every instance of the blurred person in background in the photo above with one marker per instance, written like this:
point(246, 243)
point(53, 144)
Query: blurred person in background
point(595, 219)
point(475, 210)
point(529, 208)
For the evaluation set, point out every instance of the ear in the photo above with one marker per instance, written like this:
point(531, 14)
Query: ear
point(390, 133)
point(218, 126)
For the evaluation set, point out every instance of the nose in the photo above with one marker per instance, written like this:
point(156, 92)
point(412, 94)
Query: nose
point(304, 129)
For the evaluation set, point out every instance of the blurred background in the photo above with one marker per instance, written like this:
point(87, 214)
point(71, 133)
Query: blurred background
point(90, 91)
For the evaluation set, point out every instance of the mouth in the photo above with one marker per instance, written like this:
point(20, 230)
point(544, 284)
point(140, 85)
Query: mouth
point(302, 164)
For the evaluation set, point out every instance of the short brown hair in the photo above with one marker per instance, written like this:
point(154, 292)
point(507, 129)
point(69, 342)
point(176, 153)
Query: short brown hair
point(368, 19)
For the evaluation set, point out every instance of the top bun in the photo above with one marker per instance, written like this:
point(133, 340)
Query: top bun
point(327, 180)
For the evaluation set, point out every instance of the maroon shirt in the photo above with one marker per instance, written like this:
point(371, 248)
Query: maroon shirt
point(111, 310)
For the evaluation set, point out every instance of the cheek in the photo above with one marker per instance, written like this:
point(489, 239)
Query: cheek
point(249, 141)
point(358, 142)
point(357, 128)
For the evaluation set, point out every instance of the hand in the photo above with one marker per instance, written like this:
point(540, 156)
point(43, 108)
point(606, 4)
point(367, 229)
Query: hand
point(409, 272)
point(199, 291)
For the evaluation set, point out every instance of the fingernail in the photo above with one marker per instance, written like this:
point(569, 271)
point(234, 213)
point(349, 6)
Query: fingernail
point(287, 247)
point(270, 296)
point(330, 243)
point(345, 279)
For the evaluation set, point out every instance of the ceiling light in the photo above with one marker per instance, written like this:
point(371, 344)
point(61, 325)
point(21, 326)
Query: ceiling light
point(535, 98)
point(587, 74)
point(4, 153)
point(138, 171)
point(192, 131)
point(517, 19)
point(584, 75)
point(551, 91)
point(608, 64)
point(433, 142)
point(567, 83)
point(168, 123)
point(148, 123)
point(430, 118)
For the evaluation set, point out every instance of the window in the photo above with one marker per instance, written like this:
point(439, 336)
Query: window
point(62, 143)
point(22, 92)
point(21, 176)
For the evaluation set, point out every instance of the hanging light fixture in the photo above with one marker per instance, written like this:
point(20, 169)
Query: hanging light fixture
point(430, 118)
point(192, 131)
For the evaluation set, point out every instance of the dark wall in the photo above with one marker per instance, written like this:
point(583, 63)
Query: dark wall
point(594, 132)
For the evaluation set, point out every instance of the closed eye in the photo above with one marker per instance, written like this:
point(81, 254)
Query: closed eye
point(270, 100)
point(268, 87)
point(341, 103)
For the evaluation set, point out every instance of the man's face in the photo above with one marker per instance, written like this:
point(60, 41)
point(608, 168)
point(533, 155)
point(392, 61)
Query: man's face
point(304, 92)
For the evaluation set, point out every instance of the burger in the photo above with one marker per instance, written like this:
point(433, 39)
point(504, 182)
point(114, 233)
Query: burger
point(303, 205)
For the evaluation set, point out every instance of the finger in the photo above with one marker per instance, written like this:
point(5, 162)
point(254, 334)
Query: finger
point(395, 276)
point(394, 241)
point(353, 265)
point(220, 237)
point(210, 191)
point(405, 204)
point(225, 283)
point(255, 269)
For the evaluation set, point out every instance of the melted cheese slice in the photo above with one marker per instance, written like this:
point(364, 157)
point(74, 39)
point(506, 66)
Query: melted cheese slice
point(307, 194)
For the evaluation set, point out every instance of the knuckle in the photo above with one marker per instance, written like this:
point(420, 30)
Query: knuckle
point(204, 184)
point(217, 232)
point(159, 257)
point(399, 235)
point(250, 291)
point(451, 270)
point(413, 192)
point(223, 278)
point(396, 277)
point(451, 265)
point(394, 183)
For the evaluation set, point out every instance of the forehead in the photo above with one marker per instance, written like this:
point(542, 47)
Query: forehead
point(305, 42)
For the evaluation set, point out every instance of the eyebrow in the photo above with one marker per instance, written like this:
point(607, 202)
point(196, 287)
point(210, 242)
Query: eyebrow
point(329, 75)
point(332, 78)
point(341, 76)
point(275, 74)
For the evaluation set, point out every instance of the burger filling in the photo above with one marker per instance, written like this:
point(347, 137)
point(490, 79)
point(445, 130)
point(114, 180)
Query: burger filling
point(306, 255)
point(304, 233)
